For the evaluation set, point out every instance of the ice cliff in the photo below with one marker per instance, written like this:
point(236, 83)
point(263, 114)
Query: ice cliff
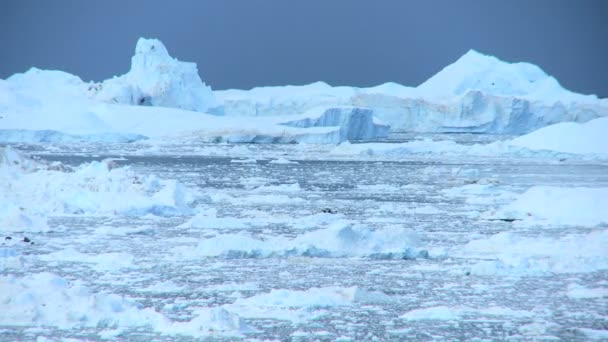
point(477, 93)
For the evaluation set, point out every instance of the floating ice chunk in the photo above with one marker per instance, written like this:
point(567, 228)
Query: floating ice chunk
point(569, 206)
point(46, 299)
point(341, 239)
point(103, 261)
point(594, 334)
point(282, 161)
point(514, 255)
point(208, 220)
point(580, 292)
point(301, 306)
point(96, 188)
point(447, 313)
point(433, 313)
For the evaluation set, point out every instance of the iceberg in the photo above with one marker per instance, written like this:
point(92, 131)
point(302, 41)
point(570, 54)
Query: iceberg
point(42, 106)
point(477, 93)
point(161, 97)
point(156, 79)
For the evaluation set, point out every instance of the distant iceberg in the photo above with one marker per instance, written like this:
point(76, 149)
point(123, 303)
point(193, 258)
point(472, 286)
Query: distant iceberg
point(477, 93)
point(157, 79)
point(161, 97)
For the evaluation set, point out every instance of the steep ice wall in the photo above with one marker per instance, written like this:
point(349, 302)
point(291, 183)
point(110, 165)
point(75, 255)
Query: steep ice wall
point(476, 112)
point(157, 79)
point(477, 93)
point(354, 123)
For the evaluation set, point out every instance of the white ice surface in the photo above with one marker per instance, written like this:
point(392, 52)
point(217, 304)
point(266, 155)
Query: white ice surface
point(549, 205)
point(299, 306)
point(476, 93)
point(563, 139)
point(513, 255)
point(45, 299)
point(569, 137)
point(340, 239)
point(30, 191)
point(445, 313)
point(156, 79)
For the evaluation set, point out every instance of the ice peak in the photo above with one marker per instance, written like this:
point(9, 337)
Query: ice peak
point(475, 71)
point(150, 46)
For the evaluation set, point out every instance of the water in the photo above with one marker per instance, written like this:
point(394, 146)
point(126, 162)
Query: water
point(360, 190)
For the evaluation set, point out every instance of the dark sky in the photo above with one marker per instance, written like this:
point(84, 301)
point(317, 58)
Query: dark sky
point(242, 44)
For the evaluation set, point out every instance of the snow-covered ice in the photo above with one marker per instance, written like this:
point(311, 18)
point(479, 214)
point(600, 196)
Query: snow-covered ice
point(557, 206)
point(340, 239)
point(31, 191)
point(513, 255)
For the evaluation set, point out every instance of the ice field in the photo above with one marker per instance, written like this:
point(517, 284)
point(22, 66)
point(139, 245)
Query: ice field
point(294, 246)
point(149, 207)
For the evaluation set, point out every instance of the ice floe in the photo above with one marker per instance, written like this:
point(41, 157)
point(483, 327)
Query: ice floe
point(511, 254)
point(30, 191)
point(45, 299)
point(446, 313)
point(340, 239)
point(549, 205)
point(303, 305)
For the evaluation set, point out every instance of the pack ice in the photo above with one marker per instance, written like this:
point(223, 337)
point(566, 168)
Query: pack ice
point(31, 190)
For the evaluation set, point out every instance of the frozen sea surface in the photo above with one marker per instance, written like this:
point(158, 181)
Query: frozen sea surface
point(157, 261)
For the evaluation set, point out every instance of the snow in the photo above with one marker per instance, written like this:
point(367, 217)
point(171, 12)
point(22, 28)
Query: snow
point(340, 239)
point(568, 206)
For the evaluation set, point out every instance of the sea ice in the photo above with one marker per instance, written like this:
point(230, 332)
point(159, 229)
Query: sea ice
point(340, 239)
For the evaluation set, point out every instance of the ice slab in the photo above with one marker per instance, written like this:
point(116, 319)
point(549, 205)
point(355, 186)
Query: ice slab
point(31, 190)
point(513, 255)
point(340, 239)
point(548, 205)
